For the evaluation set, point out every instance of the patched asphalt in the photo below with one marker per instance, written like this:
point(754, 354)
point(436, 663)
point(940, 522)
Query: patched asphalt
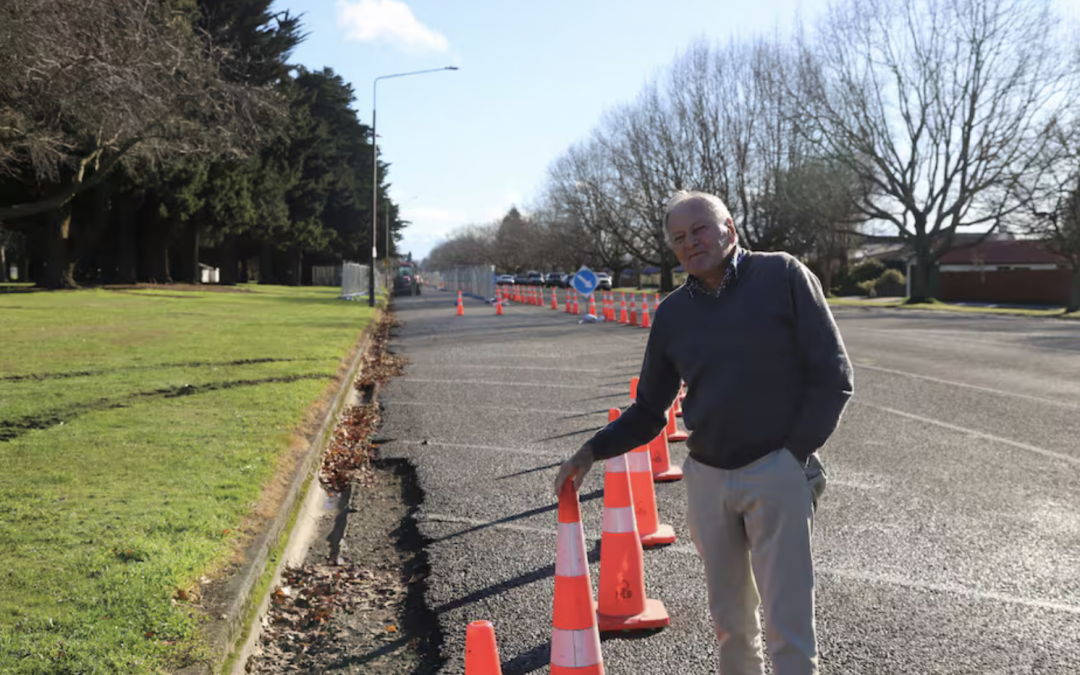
point(948, 540)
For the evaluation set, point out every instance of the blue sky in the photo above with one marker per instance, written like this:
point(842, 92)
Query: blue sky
point(535, 77)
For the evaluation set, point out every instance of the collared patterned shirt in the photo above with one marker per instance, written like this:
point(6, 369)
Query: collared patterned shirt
point(731, 276)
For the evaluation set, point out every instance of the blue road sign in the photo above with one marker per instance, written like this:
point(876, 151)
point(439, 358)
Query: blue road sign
point(585, 281)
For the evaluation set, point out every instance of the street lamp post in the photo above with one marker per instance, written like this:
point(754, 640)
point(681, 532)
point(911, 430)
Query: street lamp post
point(375, 178)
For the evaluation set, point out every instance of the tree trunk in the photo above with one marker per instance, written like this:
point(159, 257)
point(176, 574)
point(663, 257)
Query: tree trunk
point(156, 254)
point(296, 258)
point(1074, 292)
point(266, 264)
point(126, 267)
point(667, 281)
point(3, 264)
point(920, 279)
point(228, 261)
point(192, 272)
point(59, 268)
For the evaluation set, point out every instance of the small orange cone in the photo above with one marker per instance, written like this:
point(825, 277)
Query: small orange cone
point(663, 471)
point(481, 651)
point(577, 310)
point(460, 307)
point(633, 310)
point(575, 640)
point(633, 388)
point(555, 299)
point(621, 601)
point(645, 323)
point(678, 405)
point(674, 434)
point(622, 310)
point(592, 305)
point(651, 532)
point(569, 307)
point(498, 306)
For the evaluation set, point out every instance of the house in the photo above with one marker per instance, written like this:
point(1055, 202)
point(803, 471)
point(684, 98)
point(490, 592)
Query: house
point(1021, 271)
point(650, 277)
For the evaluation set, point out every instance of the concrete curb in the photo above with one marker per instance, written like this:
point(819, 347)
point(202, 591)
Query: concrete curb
point(229, 616)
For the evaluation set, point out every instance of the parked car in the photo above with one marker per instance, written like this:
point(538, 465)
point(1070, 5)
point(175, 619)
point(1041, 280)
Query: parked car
point(553, 279)
point(521, 279)
point(505, 279)
point(534, 278)
point(603, 281)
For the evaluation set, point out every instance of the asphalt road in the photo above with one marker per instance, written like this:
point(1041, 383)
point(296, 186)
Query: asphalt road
point(948, 540)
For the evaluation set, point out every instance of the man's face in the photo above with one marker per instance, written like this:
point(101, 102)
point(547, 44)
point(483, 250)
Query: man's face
point(698, 240)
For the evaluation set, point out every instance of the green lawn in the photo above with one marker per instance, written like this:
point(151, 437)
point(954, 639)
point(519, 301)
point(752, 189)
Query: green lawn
point(137, 429)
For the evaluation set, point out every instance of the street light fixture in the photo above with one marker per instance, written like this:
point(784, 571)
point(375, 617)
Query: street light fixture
point(375, 176)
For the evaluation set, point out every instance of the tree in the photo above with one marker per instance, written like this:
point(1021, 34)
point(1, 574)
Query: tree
point(813, 204)
point(85, 86)
point(941, 109)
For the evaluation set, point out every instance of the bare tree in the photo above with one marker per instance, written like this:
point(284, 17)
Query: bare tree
point(470, 245)
point(941, 108)
point(591, 217)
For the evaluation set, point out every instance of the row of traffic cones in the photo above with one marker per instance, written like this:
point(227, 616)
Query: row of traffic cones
point(577, 621)
point(631, 523)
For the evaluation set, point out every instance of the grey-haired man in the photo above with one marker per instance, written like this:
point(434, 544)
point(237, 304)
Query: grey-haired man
point(768, 378)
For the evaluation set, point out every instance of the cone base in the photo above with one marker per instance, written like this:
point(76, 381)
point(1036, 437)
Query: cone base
point(664, 535)
point(677, 437)
point(672, 474)
point(654, 616)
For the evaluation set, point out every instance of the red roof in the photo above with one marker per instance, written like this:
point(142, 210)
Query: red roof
point(1003, 252)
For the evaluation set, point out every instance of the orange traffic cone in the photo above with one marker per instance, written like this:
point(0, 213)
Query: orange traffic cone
point(498, 306)
point(575, 640)
point(621, 601)
point(633, 388)
point(663, 471)
point(651, 532)
point(460, 307)
point(645, 323)
point(577, 309)
point(678, 405)
point(622, 310)
point(674, 434)
point(555, 299)
point(481, 651)
point(569, 307)
point(657, 305)
point(633, 310)
point(592, 305)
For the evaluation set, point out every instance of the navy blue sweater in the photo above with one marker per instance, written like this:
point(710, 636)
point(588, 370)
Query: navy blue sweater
point(763, 361)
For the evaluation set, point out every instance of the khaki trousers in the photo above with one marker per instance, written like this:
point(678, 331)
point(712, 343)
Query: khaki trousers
point(752, 528)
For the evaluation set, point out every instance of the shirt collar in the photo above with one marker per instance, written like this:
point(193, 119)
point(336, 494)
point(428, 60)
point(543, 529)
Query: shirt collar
point(731, 276)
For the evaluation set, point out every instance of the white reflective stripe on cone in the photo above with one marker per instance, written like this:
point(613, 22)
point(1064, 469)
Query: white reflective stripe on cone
point(620, 520)
point(570, 551)
point(639, 462)
point(616, 464)
point(575, 648)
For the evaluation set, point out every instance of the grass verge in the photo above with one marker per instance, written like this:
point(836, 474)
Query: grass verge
point(138, 430)
point(937, 305)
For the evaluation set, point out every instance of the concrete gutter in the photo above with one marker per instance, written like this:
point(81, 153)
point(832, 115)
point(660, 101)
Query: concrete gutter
point(236, 605)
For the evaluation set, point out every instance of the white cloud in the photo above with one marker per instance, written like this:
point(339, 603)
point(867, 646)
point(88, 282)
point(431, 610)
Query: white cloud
point(388, 21)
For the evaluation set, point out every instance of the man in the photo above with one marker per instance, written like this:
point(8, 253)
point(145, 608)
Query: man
point(767, 379)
